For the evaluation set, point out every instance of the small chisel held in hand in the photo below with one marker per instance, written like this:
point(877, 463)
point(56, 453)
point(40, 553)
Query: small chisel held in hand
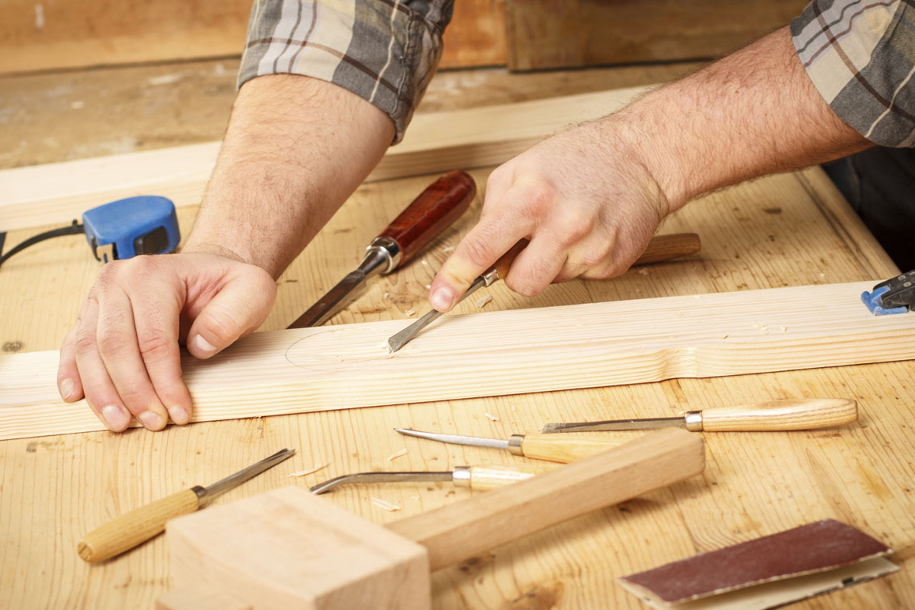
point(535, 446)
point(477, 478)
point(794, 414)
point(660, 248)
point(141, 524)
point(433, 211)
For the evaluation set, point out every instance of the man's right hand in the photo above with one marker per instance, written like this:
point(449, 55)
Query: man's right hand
point(123, 353)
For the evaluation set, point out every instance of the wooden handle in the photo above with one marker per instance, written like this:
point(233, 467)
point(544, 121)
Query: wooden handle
point(139, 525)
point(433, 211)
point(660, 248)
point(484, 478)
point(553, 448)
point(666, 247)
point(799, 414)
point(463, 529)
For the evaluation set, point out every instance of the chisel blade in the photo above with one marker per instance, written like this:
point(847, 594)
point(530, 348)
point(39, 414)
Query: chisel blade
point(332, 302)
point(617, 424)
point(456, 439)
point(381, 477)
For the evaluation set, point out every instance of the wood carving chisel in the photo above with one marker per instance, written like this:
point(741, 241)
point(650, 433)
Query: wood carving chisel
point(794, 414)
point(477, 478)
point(535, 446)
point(141, 524)
point(660, 248)
point(433, 211)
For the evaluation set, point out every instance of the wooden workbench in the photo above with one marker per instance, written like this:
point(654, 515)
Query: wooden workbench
point(792, 229)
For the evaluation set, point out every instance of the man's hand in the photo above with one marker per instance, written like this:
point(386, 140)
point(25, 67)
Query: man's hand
point(123, 353)
point(583, 198)
point(590, 198)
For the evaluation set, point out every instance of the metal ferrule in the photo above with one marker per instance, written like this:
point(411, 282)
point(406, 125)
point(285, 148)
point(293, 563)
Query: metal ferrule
point(200, 491)
point(693, 421)
point(490, 277)
point(382, 249)
point(461, 476)
point(514, 444)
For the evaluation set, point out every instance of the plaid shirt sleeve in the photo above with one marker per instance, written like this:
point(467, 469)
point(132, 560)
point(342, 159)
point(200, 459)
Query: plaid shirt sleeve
point(384, 51)
point(860, 55)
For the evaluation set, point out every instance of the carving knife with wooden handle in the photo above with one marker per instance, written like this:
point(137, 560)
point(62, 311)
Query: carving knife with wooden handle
point(433, 211)
point(660, 248)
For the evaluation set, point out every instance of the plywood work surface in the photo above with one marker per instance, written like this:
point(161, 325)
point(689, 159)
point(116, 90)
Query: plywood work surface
point(789, 230)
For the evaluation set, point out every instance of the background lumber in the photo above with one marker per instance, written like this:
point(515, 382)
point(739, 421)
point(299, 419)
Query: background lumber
point(501, 353)
point(574, 33)
point(436, 142)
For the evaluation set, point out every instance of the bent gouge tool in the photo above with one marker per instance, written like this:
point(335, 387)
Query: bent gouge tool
point(433, 211)
point(141, 524)
point(534, 446)
point(660, 248)
point(477, 478)
point(793, 414)
point(289, 548)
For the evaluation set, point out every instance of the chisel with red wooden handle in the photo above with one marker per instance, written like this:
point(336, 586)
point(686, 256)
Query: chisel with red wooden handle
point(660, 248)
point(433, 211)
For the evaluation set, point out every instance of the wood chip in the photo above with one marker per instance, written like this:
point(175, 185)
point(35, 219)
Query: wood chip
point(491, 416)
point(316, 468)
point(412, 312)
point(484, 300)
point(642, 271)
point(400, 453)
point(384, 504)
point(448, 249)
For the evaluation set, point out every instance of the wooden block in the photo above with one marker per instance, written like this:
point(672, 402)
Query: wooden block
point(291, 549)
point(436, 142)
point(499, 353)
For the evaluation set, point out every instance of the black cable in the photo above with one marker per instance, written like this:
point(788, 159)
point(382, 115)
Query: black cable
point(74, 229)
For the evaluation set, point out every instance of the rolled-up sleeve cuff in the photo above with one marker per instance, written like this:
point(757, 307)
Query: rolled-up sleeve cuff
point(861, 58)
point(383, 51)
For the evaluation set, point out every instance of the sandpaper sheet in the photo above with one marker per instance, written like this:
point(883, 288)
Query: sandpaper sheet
point(766, 572)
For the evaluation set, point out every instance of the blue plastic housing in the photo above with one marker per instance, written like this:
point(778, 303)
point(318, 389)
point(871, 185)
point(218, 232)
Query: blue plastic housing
point(136, 225)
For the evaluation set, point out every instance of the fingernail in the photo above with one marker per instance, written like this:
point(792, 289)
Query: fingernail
point(203, 346)
point(179, 415)
point(442, 298)
point(66, 388)
point(115, 418)
point(152, 420)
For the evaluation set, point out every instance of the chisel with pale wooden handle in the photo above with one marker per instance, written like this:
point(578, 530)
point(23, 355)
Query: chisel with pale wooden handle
point(139, 525)
point(660, 248)
point(477, 478)
point(534, 446)
point(792, 414)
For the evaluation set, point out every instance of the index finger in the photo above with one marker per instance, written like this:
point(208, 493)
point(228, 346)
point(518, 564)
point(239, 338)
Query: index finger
point(479, 251)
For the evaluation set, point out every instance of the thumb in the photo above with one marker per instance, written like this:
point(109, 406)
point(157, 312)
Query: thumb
point(237, 309)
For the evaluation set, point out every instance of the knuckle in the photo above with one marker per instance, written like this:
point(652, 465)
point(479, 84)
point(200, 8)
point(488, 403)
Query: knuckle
point(154, 346)
point(112, 341)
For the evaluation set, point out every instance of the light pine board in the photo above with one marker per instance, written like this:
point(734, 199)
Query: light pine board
point(500, 353)
point(786, 230)
point(435, 142)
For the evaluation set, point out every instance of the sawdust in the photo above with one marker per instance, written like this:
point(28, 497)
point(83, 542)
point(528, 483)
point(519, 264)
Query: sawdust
point(384, 504)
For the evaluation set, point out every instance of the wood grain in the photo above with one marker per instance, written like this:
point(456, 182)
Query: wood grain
point(500, 353)
point(545, 34)
point(436, 142)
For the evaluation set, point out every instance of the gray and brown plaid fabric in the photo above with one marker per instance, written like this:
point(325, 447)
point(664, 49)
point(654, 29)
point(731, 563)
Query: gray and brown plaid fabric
point(385, 51)
point(860, 55)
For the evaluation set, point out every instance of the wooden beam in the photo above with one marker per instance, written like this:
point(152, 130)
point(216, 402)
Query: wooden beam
point(436, 142)
point(500, 353)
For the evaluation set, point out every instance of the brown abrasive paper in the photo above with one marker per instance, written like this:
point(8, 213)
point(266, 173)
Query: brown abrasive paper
point(766, 572)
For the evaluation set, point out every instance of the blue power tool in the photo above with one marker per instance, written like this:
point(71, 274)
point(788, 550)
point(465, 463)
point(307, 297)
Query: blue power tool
point(896, 295)
point(121, 229)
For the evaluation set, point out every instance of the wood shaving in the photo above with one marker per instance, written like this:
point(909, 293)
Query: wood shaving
point(484, 301)
point(451, 249)
point(643, 271)
point(412, 312)
point(316, 468)
point(396, 455)
point(424, 262)
point(491, 416)
point(414, 498)
point(384, 504)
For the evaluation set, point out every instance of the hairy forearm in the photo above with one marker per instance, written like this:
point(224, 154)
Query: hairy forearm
point(295, 150)
point(750, 114)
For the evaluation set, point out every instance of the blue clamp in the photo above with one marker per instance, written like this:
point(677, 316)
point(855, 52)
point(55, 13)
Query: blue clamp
point(896, 295)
